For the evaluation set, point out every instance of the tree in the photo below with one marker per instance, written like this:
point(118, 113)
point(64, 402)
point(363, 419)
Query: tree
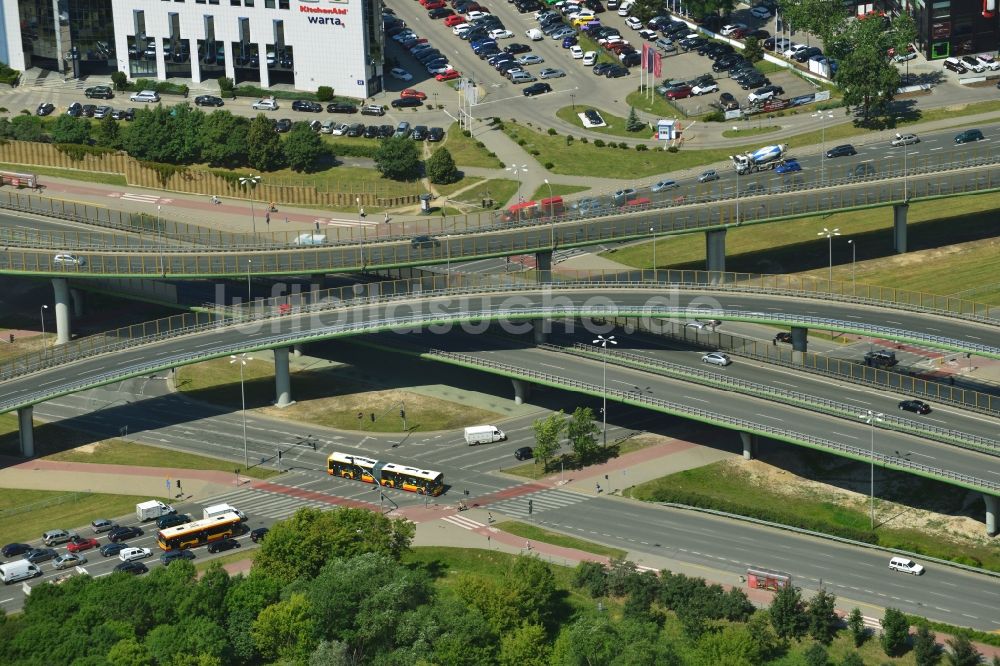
point(592, 576)
point(224, 139)
point(632, 123)
point(734, 644)
point(895, 632)
point(962, 653)
point(119, 80)
point(67, 129)
point(815, 655)
point(285, 630)
point(590, 640)
point(263, 145)
point(129, 652)
point(822, 18)
point(245, 599)
point(526, 645)
point(303, 148)
point(699, 9)
point(823, 618)
point(752, 49)
point(397, 158)
point(582, 433)
point(330, 653)
point(441, 168)
point(856, 625)
point(788, 614)
point(852, 659)
point(226, 86)
point(108, 133)
point(926, 651)
point(644, 10)
point(547, 434)
point(26, 128)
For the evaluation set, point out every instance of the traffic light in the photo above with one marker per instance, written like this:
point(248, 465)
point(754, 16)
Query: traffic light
point(531, 507)
point(402, 413)
point(279, 455)
point(373, 417)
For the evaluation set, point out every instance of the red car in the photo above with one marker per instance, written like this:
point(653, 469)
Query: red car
point(452, 21)
point(435, 4)
point(738, 33)
point(448, 76)
point(80, 544)
point(412, 92)
point(679, 93)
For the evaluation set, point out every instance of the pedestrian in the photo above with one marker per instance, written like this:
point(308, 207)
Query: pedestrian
point(386, 220)
point(598, 487)
point(492, 519)
point(774, 342)
point(267, 219)
point(362, 214)
point(527, 545)
point(178, 485)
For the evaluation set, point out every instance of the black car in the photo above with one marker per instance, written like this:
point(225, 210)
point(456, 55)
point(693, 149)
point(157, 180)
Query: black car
point(123, 114)
point(406, 102)
point(419, 133)
point(45, 108)
point(844, 150)
point(632, 59)
point(807, 53)
point(524, 453)
point(385, 131)
point(435, 134)
point(75, 110)
point(425, 242)
point(123, 533)
point(172, 519)
point(283, 125)
point(693, 43)
point(356, 129)
point(783, 336)
point(728, 102)
point(593, 116)
point(112, 549)
point(223, 545)
point(36, 555)
point(721, 52)
point(371, 132)
point(517, 48)
point(133, 567)
point(616, 71)
point(601, 67)
point(539, 88)
point(881, 358)
point(99, 92)
point(440, 12)
point(12, 549)
point(723, 64)
point(970, 136)
point(208, 100)
point(258, 534)
point(180, 554)
point(753, 82)
point(915, 406)
point(89, 110)
point(341, 107)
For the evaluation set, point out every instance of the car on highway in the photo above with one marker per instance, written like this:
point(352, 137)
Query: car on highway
point(716, 358)
point(112, 549)
point(307, 106)
point(36, 555)
point(68, 560)
point(45, 108)
point(788, 166)
point(400, 74)
point(258, 534)
point(172, 520)
point(906, 565)
point(783, 336)
point(588, 205)
point(100, 525)
point(174, 555)
point(131, 567)
point(905, 140)
point(134, 553)
point(623, 195)
point(524, 453)
point(208, 100)
point(82, 543)
point(662, 185)
point(708, 176)
point(14, 549)
point(915, 406)
point(969, 136)
point(223, 545)
point(424, 241)
point(123, 533)
point(843, 150)
point(539, 88)
point(66, 259)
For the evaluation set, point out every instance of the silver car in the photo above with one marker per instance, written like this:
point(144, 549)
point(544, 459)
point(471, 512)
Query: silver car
point(905, 139)
point(708, 176)
point(716, 358)
point(551, 73)
point(68, 560)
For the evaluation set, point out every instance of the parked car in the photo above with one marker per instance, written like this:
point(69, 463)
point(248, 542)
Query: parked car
point(760, 12)
point(616, 71)
point(145, 96)
point(307, 106)
point(551, 73)
point(208, 100)
point(45, 108)
point(955, 65)
point(405, 102)
point(266, 104)
point(99, 92)
point(915, 406)
point(843, 150)
point(341, 107)
point(400, 74)
point(435, 134)
point(412, 92)
point(716, 358)
point(123, 114)
point(539, 88)
point(260, 533)
point(373, 110)
point(14, 549)
point(765, 93)
point(681, 92)
point(705, 88)
point(283, 125)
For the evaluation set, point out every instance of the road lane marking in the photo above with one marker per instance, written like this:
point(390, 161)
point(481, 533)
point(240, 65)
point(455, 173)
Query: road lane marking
point(834, 432)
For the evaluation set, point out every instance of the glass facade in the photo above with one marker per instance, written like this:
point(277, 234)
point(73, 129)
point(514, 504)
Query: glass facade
point(75, 37)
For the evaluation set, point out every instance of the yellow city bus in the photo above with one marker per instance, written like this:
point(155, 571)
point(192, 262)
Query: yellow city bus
point(200, 532)
point(391, 475)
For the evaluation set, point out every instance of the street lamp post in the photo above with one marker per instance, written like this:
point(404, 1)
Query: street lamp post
point(652, 230)
point(41, 315)
point(552, 216)
point(572, 97)
point(854, 261)
point(249, 300)
point(251, 181)
point(822, 164)
point(517, 171)
point(242, 360)
point(603, 342)
point(830, 233)
point(871, 418)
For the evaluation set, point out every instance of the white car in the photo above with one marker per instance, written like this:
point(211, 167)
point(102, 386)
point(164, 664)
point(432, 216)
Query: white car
point(70, 259)
point(906, 566)
point(705, 89)
point(534, 34)
point(988, 61)
point(460, 28)
point(576, 52)
point(633, 23)
point(341, 129)
point(716, 358)
point(731, 28)
point(589, 58)
point(129, 554)
point(439, 69)
point(792, 49)
point(145, 96)
point(400, 73)
point(473, 15)
point(268, 104)
point(501, 34)
point(624, 8)
point(760, 12)
point(649, 35)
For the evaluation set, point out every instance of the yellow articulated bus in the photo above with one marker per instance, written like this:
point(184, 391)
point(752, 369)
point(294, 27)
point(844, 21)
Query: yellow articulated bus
point(390, 475)
point(200, 532)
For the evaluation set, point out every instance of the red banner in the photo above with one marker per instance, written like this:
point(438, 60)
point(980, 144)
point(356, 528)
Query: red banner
point(645, 55)
point(657, 65)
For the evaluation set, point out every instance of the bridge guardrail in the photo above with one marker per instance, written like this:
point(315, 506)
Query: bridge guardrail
point(717, 418)
point(805, 400)
point(195, 322)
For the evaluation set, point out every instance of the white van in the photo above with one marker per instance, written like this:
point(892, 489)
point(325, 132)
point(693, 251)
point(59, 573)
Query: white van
point(219, 509)
point(310, 239)
point(483, 434)
point(534, 35)
point(905, 565)
point(18, 570)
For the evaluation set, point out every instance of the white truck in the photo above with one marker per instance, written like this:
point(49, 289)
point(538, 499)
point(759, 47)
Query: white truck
point(761, 159)
point(483, 434)
point(152, 510)
point(18, 570)
point(219, 509)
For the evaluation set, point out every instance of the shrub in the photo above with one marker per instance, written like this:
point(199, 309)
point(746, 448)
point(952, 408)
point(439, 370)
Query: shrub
point(641, 147)
point(552, 131)
point(715, 117)
point(119, 80)
point(466, 133)
point(548, 165)
point(536, 152)
point(480, 144)
point(583, 139)
point(672, 149)
point(521, 142)
point(324, 94)
point(599, 143)
point(623, 145)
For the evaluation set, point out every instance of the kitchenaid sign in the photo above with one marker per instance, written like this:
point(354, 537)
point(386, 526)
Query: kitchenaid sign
point(323, 15)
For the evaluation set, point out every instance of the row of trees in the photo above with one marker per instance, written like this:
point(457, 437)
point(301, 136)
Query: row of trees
point(581, 431)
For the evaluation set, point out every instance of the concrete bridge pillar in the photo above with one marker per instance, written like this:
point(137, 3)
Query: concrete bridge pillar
point(991, 514)
point(543, 266)
point(25, 431)
point(899, 227)
point(522, 390)
point(282, 379)
point(61, 289)
point(749, 445)
point(799, 341)
point(540, 329)
point(715, 253)
point(77, 297)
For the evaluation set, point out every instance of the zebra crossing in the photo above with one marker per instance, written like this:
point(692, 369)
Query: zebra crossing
point(269, 503)
point(463, 522)
point(536, 502)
